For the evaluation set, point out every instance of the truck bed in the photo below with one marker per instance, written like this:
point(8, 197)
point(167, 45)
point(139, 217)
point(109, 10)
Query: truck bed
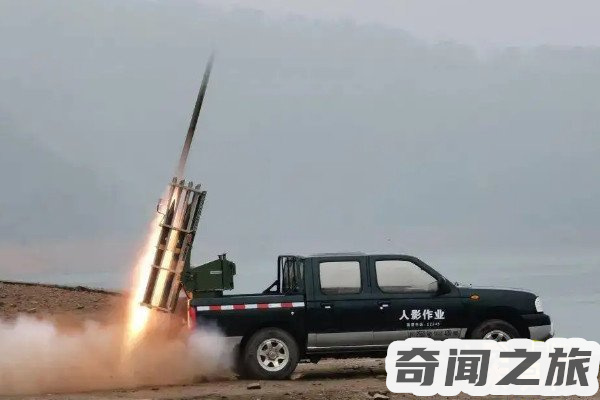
point(237, 315)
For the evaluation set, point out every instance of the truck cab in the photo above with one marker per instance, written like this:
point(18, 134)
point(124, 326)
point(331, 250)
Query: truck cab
point(355, 305)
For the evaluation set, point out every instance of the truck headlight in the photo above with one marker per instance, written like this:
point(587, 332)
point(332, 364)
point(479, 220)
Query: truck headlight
point(538, 305)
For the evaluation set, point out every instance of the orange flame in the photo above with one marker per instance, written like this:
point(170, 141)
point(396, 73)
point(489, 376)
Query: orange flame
point(138, 315)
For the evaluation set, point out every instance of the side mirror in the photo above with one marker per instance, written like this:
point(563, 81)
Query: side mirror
point(444, 286)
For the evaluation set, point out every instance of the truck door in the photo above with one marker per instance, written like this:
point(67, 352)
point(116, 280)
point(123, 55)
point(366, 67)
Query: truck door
point(340, 304)
point(409, 303)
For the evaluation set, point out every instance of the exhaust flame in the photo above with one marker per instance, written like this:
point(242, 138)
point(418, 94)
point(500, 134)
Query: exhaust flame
point(138, 315)
point(147, 348)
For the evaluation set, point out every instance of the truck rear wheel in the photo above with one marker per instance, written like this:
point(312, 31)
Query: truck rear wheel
point(270, 353)
point(495, 329)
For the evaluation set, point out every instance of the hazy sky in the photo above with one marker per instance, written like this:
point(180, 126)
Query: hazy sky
point(325, 128)
point(483, 23)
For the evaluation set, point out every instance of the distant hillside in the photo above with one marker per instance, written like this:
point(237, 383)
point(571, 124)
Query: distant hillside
point(52, 300)
point(315, 135)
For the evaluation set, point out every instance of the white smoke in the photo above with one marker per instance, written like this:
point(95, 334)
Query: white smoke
point(38, 356)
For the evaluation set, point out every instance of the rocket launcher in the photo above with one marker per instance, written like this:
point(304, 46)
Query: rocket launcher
point(181, 214)
point(177, 230)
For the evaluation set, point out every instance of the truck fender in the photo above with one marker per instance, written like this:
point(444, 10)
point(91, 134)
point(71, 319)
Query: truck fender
point(298, 336)
point(508, 314)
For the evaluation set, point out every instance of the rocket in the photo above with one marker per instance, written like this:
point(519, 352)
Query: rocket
point(178, 225)
point(194, 121)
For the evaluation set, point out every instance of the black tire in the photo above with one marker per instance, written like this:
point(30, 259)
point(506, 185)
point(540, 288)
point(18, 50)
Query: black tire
point(277, 343)
point(492, 328)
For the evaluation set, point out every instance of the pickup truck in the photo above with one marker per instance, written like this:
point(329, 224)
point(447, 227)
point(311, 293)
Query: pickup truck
point(355, 305)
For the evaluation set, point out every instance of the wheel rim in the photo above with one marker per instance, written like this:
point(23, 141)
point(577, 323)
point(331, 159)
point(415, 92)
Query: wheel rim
point(273, 355)
point(497, 335)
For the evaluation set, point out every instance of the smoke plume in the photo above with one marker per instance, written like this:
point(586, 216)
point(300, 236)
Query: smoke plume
point(41, 356)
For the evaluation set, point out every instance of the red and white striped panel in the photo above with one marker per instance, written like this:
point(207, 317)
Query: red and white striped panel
point(250, 306)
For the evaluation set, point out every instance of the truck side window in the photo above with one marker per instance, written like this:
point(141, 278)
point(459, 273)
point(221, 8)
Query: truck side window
point(340, 277)
point(397, 276)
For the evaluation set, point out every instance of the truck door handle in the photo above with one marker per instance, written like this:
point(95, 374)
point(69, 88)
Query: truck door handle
point(326, 306)
point(383, 305)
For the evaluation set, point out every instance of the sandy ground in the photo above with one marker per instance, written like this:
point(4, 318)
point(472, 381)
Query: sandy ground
point(329, 379)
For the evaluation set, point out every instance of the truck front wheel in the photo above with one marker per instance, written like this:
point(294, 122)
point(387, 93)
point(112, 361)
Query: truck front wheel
point(270, 353)
point(495, 329)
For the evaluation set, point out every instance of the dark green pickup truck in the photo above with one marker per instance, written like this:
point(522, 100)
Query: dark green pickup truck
point(353, 305)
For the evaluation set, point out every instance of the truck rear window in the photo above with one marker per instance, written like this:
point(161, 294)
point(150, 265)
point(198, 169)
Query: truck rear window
point(340, 277)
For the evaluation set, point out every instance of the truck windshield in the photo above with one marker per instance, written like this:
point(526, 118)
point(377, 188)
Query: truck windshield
point(292, 274)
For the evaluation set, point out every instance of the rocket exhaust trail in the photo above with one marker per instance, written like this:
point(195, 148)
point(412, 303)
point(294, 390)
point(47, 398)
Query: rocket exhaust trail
point(190, 135)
